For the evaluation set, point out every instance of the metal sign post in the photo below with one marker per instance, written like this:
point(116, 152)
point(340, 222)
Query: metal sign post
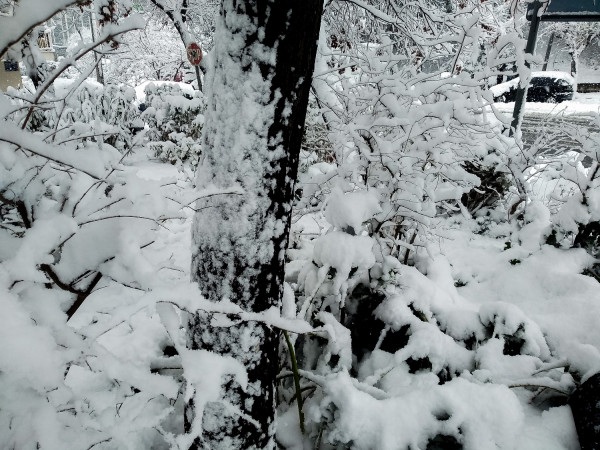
point(194, 55)
point(529, 49)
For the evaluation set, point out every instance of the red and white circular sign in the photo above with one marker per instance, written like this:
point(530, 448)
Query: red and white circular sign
point(194, 54)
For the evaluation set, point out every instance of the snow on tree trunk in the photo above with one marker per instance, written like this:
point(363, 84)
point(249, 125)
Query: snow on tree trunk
point(258, 93)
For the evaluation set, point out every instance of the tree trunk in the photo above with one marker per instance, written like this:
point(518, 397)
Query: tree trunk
point(585, 405)
point(258, 93)
point(548, 50)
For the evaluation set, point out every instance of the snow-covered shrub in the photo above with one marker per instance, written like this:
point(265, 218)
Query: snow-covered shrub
point(574, 198)
point(175, 122)
point(398, 355)
point(89, 112)
point(493, 188)
point(78, 221)
point(74, 220)
point(112, 105)
point(422, 141)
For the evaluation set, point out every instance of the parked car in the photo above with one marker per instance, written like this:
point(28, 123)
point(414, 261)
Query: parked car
point(544, 87)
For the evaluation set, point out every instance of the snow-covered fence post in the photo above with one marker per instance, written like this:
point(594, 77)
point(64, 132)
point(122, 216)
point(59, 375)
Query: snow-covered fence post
point(258, 93)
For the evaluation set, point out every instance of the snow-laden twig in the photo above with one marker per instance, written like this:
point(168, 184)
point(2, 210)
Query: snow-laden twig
point(26, 141)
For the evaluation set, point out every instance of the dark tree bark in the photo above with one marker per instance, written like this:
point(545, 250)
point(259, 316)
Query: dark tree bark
point(258, 89)
point(585, 404)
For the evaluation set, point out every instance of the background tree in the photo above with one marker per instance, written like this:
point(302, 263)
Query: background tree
point(576, 36)
point(194, 22)
point(154, 53)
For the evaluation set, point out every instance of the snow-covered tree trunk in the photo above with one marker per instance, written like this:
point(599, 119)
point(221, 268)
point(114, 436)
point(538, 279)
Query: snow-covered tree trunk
point(258, 92)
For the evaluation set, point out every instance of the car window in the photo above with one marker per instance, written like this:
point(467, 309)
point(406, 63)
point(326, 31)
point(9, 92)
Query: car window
point(546, 81)
point(537, 82)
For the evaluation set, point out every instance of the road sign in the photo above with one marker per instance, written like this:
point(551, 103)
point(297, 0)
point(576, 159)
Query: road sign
point(569, 11)
point(194, 54)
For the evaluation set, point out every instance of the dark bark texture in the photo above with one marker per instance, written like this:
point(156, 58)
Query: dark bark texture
point(585, 404)
point(258, 93)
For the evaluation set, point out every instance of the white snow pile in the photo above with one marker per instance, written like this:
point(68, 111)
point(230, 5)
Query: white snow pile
point(351, 209)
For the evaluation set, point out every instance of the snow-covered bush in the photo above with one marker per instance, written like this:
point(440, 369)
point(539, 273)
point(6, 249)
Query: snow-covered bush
point(75, 216)
point(571, 181)
point(78, 220)
point(409, 119)
point(86, 111)
point(398, 356)
point(175, 122)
